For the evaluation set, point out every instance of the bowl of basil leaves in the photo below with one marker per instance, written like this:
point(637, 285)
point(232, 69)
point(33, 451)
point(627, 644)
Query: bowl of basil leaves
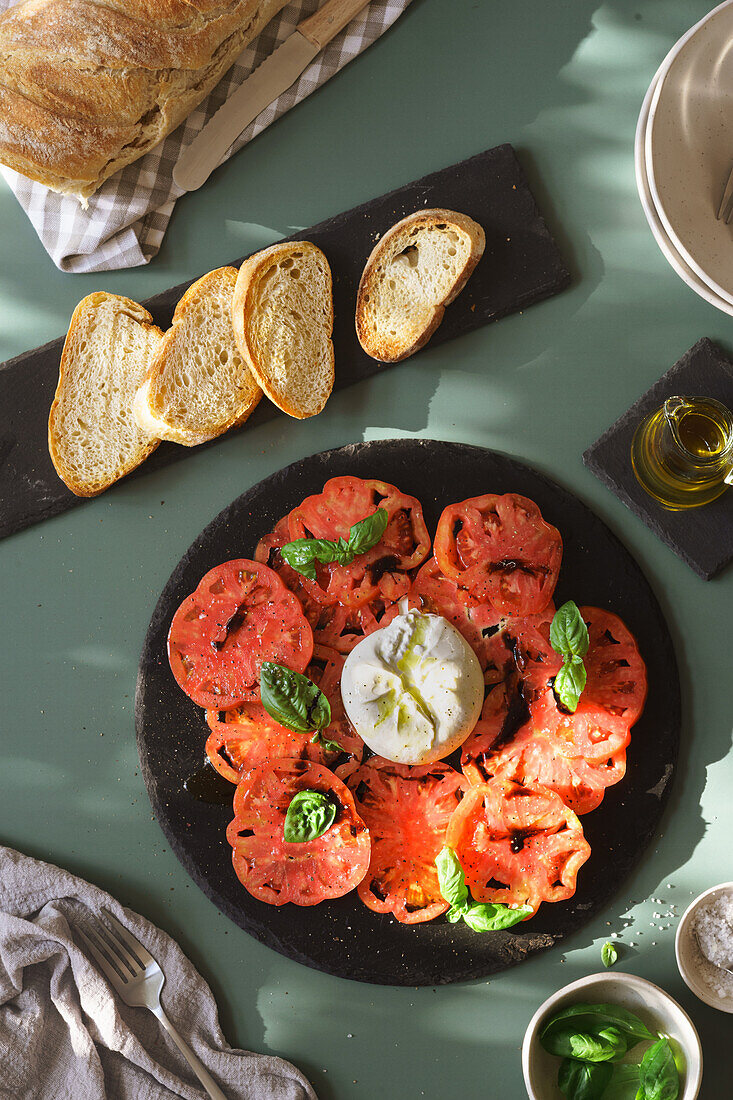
point(611, 1037)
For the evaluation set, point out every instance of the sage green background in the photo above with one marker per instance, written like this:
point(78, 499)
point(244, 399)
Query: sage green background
point(562, 81)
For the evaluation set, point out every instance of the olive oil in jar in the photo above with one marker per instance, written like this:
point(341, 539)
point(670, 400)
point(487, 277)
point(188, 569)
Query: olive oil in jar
point(682, 453)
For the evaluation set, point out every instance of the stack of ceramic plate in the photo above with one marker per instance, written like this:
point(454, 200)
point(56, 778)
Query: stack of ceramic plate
point(684, 153)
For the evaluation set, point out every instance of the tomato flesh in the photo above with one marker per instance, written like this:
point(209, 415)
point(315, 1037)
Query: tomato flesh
point(407, 810)
point(277, 871)
point(517, 845)
point(240, 615)
point(500, 549)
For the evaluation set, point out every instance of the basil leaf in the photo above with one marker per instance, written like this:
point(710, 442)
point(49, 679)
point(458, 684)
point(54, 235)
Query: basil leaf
point(609, 954)
point(569, 683)
point(310, 814)
point(455, 913)
point(367, 532)
point(302, 555)
point(485, 917)
point(450, 877)
point(624, 1084)
point(592, 1018)
point(658, 1076)
point(583, 1080)
point(292, 699)
point(568, 632)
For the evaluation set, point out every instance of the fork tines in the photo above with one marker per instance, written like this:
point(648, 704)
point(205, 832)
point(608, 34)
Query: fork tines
point(120, 955)
point(725, 210)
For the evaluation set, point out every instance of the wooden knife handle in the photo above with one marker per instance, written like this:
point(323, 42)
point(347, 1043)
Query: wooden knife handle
point(326, 23)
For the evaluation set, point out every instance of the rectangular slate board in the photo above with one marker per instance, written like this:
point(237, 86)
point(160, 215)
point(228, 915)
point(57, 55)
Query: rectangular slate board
point(521, 265)
point(702, 537)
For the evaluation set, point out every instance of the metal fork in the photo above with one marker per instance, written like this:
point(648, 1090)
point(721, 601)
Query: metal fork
point(725, 210)
point(133, 972)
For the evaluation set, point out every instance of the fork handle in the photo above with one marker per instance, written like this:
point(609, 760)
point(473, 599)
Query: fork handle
point(198, 1068)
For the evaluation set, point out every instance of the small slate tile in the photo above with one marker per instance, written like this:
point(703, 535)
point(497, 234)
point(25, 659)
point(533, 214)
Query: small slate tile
point(702, 537)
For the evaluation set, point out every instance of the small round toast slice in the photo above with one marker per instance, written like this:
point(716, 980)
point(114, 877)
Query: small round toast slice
point(417, 268)
point(198, 385)
point(93, 437)
point(282, 315)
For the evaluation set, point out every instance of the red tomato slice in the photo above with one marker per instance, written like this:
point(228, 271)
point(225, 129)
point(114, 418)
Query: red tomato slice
point(277, 871)
point(407, 810)
point(246, 736)
point(500, 548)
point(240, 615)
point(517, 845)
point(615, 669)
point(381, 571)
point(433, 592)
point(540, 745)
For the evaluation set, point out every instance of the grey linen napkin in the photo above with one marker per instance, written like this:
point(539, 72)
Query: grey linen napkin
point(127, 217)
point(64, 1035)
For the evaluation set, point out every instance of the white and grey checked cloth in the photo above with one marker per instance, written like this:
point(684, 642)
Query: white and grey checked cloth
point(127, 217)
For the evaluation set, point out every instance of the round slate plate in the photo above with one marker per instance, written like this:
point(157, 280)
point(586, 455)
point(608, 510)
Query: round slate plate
point(342, 936)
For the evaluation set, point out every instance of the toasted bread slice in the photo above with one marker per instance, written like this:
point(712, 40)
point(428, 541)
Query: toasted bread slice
point(282, 313)
point(418, 267)
point(198, 385)
point(92, 435)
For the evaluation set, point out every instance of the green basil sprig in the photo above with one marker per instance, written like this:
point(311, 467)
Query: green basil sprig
point(583, 1080)
point(295, 702)
point(569, 638)
point(609, 953)
point(479, 916)
point(310, 814)
point(302, 554)
point(624, 1084)
point(590, 1019)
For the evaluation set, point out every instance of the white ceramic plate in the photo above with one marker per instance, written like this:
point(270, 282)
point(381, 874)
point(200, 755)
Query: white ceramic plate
point(689, 147)
point(688, 953)
point(661, 236)
point(658, 1010)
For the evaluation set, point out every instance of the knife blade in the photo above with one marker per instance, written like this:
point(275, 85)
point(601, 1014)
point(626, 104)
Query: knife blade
point(269, 80)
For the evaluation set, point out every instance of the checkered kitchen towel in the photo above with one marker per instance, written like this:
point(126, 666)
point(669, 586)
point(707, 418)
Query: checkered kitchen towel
point(129, 214)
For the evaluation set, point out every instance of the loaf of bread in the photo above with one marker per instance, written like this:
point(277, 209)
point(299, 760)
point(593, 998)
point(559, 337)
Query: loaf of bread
point(88, 86)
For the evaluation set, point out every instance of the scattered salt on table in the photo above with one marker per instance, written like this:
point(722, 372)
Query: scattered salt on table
point(714, 928)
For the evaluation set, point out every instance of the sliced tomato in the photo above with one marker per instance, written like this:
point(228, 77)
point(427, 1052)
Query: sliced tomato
point(407, 810)
point(517, 845)
point(240, 615)
point(277, 871)
point(341, 628)
point(536, 744)
point(499, 548)
point(477, 622)
point(615, 669)
point(381, 571)
point(246, 736)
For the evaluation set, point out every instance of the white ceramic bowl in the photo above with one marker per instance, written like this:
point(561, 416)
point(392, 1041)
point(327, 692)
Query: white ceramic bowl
point(688, 953)
point(658, 1010)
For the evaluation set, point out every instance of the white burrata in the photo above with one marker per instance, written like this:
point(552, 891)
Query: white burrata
point(414, 689)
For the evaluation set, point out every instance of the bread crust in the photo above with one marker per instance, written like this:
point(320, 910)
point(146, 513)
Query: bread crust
point(247, 281)
point(88, 87)
point(55, 431)
point(396, 350)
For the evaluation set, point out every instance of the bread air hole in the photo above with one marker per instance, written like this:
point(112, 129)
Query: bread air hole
point(409, 256)
point(295, 273)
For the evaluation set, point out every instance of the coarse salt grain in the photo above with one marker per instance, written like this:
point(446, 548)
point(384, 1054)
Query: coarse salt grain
point(714, 929)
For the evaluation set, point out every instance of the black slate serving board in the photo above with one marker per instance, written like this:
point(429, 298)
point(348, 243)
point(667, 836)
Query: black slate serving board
point(702, 537)
point(521, 265)
point(343, 937)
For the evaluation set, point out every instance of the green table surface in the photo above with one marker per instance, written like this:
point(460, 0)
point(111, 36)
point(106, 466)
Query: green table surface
point(563, 82)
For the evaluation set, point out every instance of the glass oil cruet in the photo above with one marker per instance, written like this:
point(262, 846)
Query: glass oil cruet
point(682, 453)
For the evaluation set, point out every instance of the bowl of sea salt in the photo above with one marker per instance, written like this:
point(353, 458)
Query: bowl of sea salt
point(704, 946)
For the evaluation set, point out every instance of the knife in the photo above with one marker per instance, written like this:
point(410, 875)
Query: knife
point(269, 80)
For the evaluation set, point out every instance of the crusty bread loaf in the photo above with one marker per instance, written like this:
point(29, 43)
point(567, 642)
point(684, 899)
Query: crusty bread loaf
point(417, 268)
point(198, 384)
point(88, 86)
point(282, 313)
point(92, 435)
